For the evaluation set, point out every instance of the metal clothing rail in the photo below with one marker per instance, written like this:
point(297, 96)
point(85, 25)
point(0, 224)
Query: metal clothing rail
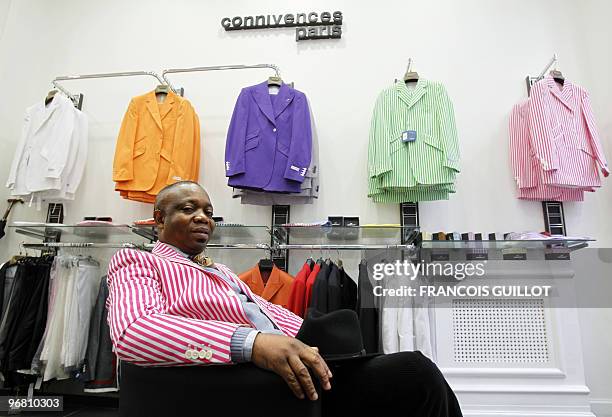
point(217, 68)
point(56, 84)
point(344, 247)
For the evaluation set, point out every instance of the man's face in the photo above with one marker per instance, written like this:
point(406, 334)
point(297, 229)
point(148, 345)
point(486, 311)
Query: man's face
point(184, 219)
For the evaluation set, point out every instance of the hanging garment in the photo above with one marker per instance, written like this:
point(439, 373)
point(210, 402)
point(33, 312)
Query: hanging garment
point(564, 135)
point(277, 288)
point(405, 321)
point(320, 288)
point(309, 189)
point(310, 284)
point(189, 308)
point(51, 154)
point(298, 291)
point(269, 141)
point(367, 310)
point(84, 288)
point(348, 291)
point(99, 372)
point(24, 322)
point(413, 152)
point(158, 144)
point(526, 168)
point(7, 275)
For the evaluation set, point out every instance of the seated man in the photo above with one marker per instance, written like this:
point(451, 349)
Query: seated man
point(176, 307)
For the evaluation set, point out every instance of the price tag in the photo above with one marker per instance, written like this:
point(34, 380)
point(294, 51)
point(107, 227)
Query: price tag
point(409, 135)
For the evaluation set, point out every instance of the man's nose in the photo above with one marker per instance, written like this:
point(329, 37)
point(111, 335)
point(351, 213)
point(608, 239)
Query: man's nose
point(201, 217)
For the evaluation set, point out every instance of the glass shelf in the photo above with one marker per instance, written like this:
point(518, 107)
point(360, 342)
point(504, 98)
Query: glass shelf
point(340, 234)
point(73, 232)
point(223, 234)
point(569, 244)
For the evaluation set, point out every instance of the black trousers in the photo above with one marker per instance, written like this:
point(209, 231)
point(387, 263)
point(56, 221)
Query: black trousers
point(401, 384)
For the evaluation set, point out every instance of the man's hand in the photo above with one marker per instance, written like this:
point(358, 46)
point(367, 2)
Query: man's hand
point(290, 358)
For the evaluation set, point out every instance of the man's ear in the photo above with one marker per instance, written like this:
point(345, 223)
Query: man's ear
point(158, 215)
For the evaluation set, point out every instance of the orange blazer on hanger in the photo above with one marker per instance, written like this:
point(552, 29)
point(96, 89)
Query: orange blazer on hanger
point(147, 156)
point(278, 288)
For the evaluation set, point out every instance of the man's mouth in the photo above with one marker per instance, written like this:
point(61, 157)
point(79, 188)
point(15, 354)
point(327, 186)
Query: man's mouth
point(202, 232)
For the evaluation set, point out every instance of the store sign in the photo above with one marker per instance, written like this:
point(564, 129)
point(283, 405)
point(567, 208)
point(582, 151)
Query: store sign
point(308, 26)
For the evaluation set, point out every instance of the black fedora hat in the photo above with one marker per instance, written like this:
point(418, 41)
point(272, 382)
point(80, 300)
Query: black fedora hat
point(337, 335)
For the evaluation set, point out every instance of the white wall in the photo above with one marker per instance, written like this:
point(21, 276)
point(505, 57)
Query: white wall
point(481, 49)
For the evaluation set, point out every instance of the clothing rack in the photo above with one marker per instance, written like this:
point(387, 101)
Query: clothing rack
point(57, 85)
point(216, 68)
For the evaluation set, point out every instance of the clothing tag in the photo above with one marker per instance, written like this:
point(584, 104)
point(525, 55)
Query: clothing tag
point(409, 135)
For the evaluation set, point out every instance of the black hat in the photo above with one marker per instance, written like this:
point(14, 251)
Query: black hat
point(337, 335)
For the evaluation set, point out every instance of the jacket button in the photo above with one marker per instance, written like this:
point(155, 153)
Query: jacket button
point(274, 130)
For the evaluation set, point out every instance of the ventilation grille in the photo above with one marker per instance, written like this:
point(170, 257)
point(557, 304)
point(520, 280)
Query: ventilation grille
point(494, 331)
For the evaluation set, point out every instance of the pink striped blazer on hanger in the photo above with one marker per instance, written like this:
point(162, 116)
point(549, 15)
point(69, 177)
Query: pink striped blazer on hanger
point(526, 169)
point(564, 135)
point(162, 306)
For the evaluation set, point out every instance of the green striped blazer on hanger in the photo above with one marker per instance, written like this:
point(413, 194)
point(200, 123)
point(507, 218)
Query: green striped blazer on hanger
point(412, 171)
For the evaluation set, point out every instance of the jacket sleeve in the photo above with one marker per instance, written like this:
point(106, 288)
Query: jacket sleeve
point(541, 127)
point(142, 332)
point(448, 129)
point(300, 148)
point(81, 133)
point(195, 160)
point(10, 182)
point(236, 138)
point(123, 164)
point(186, 146)
point(290, 323)
point(594, 141)
point(518, 156)
point(379, 149)
point(59, 142)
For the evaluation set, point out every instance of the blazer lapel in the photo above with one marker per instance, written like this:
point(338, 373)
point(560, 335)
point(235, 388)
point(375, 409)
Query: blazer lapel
point(411, 97)
point(564, 95)
point(168, 252)
point(169, 105)
point(273, 285)
point(283, 99)
point(262, 98)
point(47, 112)
point(154, 109)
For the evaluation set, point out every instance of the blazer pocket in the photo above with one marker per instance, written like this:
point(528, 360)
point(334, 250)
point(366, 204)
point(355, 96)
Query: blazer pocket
point(396, 145)
point(432, 141)
point(557, 132)
point(252, 141)
point(140, 150)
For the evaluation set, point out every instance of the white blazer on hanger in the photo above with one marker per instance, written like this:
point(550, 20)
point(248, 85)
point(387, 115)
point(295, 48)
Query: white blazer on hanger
point(48, 149)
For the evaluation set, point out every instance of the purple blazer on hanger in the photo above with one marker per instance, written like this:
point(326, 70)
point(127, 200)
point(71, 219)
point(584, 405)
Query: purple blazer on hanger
point(269, 141)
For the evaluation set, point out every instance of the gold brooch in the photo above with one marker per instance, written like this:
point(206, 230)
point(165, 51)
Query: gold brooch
point(203, 260)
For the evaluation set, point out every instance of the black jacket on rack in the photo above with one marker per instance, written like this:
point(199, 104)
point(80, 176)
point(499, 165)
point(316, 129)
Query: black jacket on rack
point(26, 315)
point(319, 289)
point(367, 311)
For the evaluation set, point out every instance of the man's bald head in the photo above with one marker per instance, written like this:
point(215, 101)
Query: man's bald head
point(161, 201)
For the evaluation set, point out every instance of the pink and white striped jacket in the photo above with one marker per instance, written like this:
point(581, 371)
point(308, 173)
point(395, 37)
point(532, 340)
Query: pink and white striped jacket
point(161, 306)
point(564, 135)
point(526, 169)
